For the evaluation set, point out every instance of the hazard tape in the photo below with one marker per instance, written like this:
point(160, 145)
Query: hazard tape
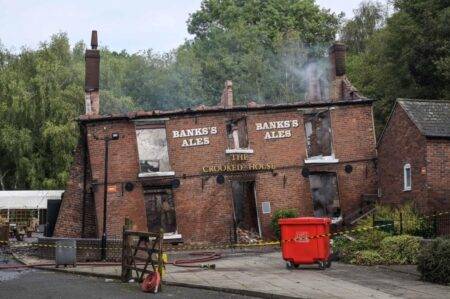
point(15, 245)
point(218, 246)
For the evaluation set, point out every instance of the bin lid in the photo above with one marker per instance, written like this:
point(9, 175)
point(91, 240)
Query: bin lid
point(304, 220)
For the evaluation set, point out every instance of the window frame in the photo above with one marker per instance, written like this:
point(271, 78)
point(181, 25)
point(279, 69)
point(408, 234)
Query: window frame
point(230, 138)
point(321, 159)
point(407, 187)
point(151, 124)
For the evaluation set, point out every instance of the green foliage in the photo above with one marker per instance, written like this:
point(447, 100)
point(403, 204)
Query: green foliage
point(41, 93)
point(365, 240)
point(369, 17)
point(433, 261)
point(402, 249)
point(367, 258)
point(260, 45)
point(279, 214)
point(407, 58)
point(377, 247)
point(412, 222)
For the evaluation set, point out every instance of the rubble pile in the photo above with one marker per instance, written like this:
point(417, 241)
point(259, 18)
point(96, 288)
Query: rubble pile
point(247, 236)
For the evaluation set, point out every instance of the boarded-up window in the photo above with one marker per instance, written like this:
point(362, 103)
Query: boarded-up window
point(237, 134)
point(152, 148)
point(325, 196)
point(318, 134)
point(160, 210)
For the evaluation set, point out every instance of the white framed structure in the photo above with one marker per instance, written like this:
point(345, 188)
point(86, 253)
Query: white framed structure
point(18, 206)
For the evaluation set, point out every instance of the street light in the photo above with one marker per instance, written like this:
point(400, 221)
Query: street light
point(107, 139)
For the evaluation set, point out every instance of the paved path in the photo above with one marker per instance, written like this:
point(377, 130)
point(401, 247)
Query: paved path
point(266, 273)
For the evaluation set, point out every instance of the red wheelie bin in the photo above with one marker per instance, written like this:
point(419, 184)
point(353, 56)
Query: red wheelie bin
point(302, 243)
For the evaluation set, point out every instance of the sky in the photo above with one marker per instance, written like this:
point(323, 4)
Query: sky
point(132, 25)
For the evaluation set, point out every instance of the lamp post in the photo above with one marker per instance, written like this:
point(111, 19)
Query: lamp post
point(107, 139)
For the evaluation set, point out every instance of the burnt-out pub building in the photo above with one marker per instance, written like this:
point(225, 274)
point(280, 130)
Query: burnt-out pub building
point(202, 173)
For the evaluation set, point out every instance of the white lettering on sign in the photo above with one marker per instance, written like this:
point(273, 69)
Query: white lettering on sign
point(301, 237)
point(274, 127)
point(196, 132)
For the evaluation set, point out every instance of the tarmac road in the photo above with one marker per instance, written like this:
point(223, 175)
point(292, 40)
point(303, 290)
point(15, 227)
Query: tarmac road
point(43, 284)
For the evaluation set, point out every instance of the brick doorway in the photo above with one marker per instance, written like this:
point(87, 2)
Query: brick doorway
point(160, 210)
point(245, 214)
point(325, 195)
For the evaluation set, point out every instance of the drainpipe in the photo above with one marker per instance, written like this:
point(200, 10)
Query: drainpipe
point(85, 157)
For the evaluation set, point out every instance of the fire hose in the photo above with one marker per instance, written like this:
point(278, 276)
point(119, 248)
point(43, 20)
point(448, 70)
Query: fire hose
point(205, 257)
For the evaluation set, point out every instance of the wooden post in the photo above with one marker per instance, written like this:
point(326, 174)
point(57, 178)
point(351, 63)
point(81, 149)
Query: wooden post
point(160, 256)
point(126, 251)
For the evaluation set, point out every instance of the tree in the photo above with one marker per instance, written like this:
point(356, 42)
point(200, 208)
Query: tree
point(368, 18)
point(249, 43)
point(408, 58)
point(41, 94)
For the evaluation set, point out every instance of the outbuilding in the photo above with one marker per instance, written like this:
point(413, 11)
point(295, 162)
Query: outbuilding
point(414, 155)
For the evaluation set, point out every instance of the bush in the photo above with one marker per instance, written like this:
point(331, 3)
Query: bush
point(402, 249)
point(413, 223)
point(367, 258)
point(279, 214)
point(433, 261)
point(365, 241)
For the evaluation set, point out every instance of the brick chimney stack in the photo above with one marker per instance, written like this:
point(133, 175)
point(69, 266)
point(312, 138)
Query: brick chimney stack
point(314, 94)
point(92, 76)
point(226, 100)
point(337, 54)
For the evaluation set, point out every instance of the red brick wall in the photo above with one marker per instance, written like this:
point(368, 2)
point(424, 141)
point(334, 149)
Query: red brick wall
point(438, 174)
point(204, 207)
point(123, 167)
point(69, 221)
point(402, 143)
point(354, 144)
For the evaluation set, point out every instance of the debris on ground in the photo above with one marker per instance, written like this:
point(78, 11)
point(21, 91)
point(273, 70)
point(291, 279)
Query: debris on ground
point(247, 236)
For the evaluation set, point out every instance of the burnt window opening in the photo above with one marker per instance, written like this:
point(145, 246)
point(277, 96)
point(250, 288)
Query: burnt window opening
point(237, 134)
point(160, 211)
point(152, 149)
point(318, 134)
point(325, 195)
